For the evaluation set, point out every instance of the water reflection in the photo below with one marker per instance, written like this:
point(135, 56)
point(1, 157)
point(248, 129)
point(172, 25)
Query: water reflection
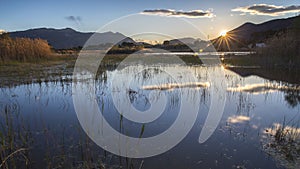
point(39, 121)
point(282, 142)
point(264, 88)
point(238, 119)
point(292, 97)
point(170, 86)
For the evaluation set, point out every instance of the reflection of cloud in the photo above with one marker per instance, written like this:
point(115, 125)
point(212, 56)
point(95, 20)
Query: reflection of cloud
point(187, 14)
point(265, 9)
point(261, 88)
point(76, 19)
point(169, 86)
point(238, 119)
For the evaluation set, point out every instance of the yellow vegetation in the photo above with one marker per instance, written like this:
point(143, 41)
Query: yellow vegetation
point(23, 49)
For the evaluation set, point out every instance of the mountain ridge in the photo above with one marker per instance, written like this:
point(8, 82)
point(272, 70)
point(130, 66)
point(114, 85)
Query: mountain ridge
point(241, 36)
point(251, 33)
point(69, 38)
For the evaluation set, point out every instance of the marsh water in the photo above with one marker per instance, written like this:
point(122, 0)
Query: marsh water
point(41, 118)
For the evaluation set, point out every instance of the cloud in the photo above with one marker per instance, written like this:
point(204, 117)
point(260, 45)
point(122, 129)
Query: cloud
point(265, 9)
point(173, 13)
point(76, 19)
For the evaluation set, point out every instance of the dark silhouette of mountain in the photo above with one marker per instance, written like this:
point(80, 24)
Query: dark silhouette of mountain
point(249, 33)
point(69, 38)
point(247, 30)
point(187, 44)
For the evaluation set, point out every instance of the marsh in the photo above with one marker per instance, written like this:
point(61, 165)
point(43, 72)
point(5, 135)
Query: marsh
point(39, 126)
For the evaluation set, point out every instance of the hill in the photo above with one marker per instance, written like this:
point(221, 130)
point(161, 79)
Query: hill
point(250, 33)
point(68, 38)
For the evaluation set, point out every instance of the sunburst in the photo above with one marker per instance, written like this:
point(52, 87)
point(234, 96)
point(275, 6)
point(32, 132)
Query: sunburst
point(226, 40)
point(223, 33)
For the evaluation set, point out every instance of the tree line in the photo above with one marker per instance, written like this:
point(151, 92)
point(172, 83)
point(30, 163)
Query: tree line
point(23, 49)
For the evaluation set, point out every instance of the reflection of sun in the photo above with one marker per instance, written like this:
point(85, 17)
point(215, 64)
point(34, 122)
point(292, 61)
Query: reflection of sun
point(223, 33)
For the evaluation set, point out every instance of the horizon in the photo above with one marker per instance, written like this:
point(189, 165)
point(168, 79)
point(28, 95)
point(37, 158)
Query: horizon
point(210, 17)
point(153, 41)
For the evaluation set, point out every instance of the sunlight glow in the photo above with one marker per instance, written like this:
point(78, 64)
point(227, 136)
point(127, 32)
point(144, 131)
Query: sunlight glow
point(223, 33)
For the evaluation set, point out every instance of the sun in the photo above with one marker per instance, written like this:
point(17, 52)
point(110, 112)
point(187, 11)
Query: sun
point(223, 33)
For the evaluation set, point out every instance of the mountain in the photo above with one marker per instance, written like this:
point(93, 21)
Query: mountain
point(249, 33)
point(187, 44)
point(247, 30)
point(69, 38)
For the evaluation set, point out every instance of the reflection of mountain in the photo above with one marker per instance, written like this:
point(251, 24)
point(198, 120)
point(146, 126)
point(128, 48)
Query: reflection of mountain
point(289, 80)
point(285, 75)
point(69, 38)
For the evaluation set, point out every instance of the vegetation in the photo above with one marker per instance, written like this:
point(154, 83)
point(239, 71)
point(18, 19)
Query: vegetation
point(282, 50)
point(14, 138)
point(125, 48)
point(15, 73)
point(282, 143)
point(23, 49)
point(176, 47)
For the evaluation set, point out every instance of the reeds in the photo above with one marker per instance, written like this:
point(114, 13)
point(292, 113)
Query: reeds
point(15, 139)
point(283, 143)
point(23, 49)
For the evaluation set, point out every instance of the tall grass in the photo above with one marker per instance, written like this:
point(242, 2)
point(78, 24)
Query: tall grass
point(283, 143)
point(23, 49)
point(15, 139)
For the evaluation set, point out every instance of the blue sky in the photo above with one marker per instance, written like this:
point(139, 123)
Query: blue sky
point(90, 15)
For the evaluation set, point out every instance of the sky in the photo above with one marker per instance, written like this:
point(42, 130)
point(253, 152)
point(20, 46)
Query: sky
point(210, 17)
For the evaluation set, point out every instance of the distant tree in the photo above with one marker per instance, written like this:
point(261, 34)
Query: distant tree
point(166, 42)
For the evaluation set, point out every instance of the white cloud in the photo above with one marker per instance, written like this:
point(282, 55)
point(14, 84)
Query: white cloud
point(265, 9)
point(173, 13)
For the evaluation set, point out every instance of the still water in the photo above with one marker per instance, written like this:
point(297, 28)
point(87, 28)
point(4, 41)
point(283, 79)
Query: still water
point(258, 128)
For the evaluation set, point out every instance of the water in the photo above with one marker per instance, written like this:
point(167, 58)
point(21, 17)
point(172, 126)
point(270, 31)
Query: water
point(44, 115)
